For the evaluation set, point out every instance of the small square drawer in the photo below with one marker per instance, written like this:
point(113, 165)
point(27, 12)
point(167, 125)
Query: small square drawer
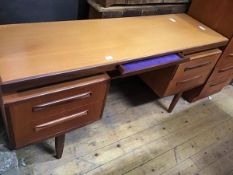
point(227, 69)
point(31, 112)
point(199, 62)
point(30, 129)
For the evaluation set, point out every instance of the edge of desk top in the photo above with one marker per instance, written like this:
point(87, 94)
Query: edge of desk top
point(30, 51)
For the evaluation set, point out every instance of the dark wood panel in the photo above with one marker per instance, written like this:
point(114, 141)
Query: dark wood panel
point(219, 16)
point(30, 129)
point(177, 86)
point(158, 80)
point(214, 13)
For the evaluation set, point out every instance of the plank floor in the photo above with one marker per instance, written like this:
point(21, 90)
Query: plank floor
point(137, 136)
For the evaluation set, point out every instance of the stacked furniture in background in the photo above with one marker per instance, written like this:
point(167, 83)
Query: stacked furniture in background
point(126, 8)
point(185, 76)
point(218, 16)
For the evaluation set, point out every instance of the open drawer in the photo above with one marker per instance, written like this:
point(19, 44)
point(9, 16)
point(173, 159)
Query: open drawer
point(150, 64)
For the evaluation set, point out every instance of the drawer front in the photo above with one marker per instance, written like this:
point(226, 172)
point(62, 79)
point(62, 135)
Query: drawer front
point(200, 62)
point(220, 74)
point(227, 58)
point(214, 87)
point(28, 129)
point(184, 84)
point(227, 69)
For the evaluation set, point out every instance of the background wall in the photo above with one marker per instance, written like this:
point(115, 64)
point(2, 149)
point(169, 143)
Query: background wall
point(24, 11)
point(20, 11)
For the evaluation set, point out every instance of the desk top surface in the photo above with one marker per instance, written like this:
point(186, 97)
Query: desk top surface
point(30, 50)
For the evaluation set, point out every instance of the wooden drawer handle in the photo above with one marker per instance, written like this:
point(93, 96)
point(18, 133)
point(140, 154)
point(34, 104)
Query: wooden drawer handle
point(226, 69)
point(197, 66)
point(61, 101)
point(188, 80)
point(231, 55)
point(216, 84)
point(59, 121)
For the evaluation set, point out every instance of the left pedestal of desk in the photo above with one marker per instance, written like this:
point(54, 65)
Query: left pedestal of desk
point(35, 115)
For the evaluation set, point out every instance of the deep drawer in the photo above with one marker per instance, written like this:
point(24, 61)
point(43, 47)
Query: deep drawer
point(214, 87)
point(199, 62)
point(29, 129)
point(227, 61)
point(220, 74)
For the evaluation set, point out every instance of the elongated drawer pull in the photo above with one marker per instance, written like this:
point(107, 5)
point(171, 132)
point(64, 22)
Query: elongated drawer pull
point(61, 101)
point(59, 121)
point(231, 55)
point(197, 66)
point(188, 80)
point(216, 84)
point(226, 69)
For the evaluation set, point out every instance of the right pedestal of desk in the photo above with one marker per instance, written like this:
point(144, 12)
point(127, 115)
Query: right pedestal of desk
point(220, 77)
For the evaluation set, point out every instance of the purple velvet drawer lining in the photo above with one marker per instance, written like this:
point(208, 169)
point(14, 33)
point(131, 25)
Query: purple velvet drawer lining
point(149, 63)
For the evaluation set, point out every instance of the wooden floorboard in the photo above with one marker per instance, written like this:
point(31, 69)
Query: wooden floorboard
point(137, 136)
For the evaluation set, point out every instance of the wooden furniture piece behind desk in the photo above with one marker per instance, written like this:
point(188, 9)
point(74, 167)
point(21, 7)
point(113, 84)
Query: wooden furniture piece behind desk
point(123, 8)
point(218, 16)
point(58, 78)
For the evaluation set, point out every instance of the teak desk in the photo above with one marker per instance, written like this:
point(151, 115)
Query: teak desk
point(55, 76)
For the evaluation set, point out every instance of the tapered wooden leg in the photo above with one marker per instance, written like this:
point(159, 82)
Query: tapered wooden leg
point(174, 102)
point(59, 145)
